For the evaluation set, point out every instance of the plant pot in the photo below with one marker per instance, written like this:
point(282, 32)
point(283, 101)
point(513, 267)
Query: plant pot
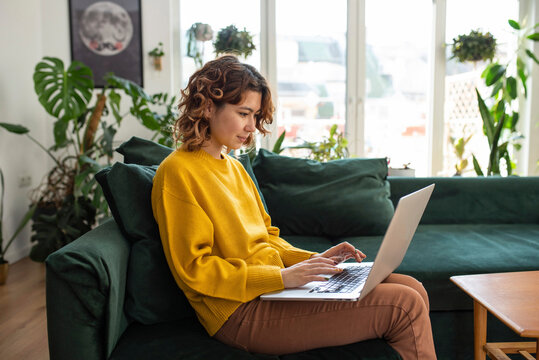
point(3, 272)
point(157, 64)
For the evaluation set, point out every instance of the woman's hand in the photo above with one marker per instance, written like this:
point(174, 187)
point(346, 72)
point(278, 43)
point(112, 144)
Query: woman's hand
point(307, 271)
point(341, 252)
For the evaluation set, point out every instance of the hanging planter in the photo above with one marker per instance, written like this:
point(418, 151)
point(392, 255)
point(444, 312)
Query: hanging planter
point(197, 35)
point(156, 54)
point(474, 47)
point(232, 40)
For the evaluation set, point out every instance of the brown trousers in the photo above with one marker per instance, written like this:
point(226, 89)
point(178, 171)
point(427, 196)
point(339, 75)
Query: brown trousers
point(397, 310)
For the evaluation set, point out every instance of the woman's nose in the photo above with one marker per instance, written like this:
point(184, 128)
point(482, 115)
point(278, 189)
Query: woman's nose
point(251, 124)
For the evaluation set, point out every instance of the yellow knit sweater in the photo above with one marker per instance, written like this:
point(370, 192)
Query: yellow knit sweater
point(216, 235)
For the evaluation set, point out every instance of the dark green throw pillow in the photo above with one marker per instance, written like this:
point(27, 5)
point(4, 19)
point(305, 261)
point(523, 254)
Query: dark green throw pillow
point(339, 198)
point(152, 295)
point(143, 152)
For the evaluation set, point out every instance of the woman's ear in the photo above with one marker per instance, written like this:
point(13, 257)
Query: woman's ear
point(209, 110)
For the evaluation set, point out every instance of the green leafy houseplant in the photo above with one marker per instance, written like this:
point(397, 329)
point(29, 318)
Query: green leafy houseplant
point(69, 201)
point(197, 34)
point(474, 46)
point(157, 53)
point(459, 145)
point(332, 147)
point(499, 112)
point(232, 40)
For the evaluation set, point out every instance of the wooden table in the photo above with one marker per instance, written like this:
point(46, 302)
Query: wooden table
point(511, 297)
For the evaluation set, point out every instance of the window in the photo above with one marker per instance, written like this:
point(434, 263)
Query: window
point(311, 69)
point(397, 81)
point(304, 48)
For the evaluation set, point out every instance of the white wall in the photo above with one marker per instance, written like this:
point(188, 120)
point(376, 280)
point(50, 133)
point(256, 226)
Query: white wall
point(31, 29)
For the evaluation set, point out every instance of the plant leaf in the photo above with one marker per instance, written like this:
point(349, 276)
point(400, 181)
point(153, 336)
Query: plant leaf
point(521, 71)
point(488, 121)
point(530, 54)
point(60, 129)
point(497, 87)
point(477, 167)
point(512, 87)
point(534, 37)
point(515, 25)
point(277, 147)
point(494, 149)
point(494, 74)
point(14, 128)
point(63, 93)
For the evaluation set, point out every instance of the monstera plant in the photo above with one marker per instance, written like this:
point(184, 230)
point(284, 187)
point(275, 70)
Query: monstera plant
point(69, 200)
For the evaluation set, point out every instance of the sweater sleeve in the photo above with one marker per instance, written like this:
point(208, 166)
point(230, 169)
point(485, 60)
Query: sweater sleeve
point(187, 236)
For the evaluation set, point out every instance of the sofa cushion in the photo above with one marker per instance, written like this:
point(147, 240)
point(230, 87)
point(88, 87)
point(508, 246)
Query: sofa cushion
point(187, 339)
point(143, 152)
point(152, 295)
point(347, 197)
point(438, 252)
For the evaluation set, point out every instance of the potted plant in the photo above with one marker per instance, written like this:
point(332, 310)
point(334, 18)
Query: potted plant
point(474, 47)
point(232, 40)
point(4, 265)
point(332, 147)
point(197, 35)
point(157, 53)
point(500, 115)
point(69, 201)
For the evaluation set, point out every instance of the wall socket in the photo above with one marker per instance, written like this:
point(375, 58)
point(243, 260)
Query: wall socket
point(25, 181)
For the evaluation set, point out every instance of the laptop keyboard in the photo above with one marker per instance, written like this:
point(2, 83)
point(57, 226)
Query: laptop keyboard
point(345, 282)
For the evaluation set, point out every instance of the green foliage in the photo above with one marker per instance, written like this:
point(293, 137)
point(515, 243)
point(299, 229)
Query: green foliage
point(143, 107)
point(475, 46)
point(56, 226)
point(83, 145)
point(157, 51)
point(278, 147)
point(333, 147)
point(500, 116)
point(459, 145)
point(231, 40)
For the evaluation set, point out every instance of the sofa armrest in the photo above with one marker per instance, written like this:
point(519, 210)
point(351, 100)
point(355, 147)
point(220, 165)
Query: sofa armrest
point(85, 294)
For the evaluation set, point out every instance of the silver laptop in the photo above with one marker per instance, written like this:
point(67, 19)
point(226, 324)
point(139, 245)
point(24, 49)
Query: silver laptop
point(358, 279)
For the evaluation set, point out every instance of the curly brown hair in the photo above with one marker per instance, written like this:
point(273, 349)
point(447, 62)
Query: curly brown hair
point(221, 81)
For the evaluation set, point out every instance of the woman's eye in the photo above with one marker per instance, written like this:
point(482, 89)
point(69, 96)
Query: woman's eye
point(244, 114)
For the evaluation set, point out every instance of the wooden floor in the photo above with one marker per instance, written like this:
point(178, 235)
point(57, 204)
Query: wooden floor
point(23, 321)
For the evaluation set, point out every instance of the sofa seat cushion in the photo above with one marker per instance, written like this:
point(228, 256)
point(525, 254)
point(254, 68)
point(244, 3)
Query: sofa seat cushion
point(438, 252)
point(187, 339)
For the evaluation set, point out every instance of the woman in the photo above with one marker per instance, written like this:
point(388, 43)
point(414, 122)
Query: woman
point(224, 252)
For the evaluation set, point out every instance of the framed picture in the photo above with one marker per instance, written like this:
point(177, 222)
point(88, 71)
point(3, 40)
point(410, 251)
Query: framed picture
point(106, 37)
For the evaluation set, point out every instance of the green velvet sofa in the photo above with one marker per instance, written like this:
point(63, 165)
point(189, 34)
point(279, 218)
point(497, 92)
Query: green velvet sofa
point(110, 294)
